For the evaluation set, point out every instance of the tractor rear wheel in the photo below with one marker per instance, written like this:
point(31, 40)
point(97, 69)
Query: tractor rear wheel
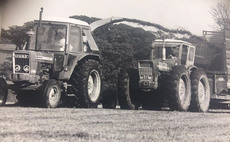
point(128, 90)
point(86, 84)
point(200, 91)
point(51, 94)
point(178, 88)
point(3, 92)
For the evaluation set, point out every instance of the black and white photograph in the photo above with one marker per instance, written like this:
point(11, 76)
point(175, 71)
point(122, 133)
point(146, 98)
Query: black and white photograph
point(114, 70)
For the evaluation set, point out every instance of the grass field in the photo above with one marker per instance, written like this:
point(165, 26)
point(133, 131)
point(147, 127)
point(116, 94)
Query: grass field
point(71, 124)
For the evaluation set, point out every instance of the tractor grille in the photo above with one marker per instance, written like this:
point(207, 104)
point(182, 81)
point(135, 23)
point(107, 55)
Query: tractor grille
point(145, 71)
point(145, 65)
point(21, 63)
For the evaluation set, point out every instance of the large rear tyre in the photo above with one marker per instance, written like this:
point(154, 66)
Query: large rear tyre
point(200, 91)
point(51, 94)
point(3, 92)
point(128, 90)
point(86, 84)
point(178, 89)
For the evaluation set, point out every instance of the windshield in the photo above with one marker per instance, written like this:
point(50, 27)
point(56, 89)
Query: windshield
point(51, 37)
point(171, 52)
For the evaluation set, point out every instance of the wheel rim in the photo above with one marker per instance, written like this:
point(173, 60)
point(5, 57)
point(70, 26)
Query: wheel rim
point(90, 85)
point(182, 89)
point(3, 91)
point(203, 95)
point(201, 91)
point(94, 85)
point(53, 96)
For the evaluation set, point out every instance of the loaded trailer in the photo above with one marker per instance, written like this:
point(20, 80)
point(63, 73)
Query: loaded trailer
point(217, 66)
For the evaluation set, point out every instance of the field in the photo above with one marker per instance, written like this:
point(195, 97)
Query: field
point(72, 124)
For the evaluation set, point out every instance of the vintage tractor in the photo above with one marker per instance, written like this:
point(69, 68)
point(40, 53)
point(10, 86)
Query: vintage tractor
point(60, 60)
point(168, 77)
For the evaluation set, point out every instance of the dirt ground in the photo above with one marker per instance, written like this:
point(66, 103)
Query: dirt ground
point(72, 124)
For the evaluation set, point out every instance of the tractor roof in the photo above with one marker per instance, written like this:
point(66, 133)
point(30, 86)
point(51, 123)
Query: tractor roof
point(170, 42)
point(64, 20)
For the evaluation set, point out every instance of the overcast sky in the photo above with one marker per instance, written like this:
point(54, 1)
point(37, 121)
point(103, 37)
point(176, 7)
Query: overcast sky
point(192, 15)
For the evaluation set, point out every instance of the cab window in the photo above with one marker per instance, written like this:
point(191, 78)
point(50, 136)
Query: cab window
point(184, 54)
point(191, 53)
point(51, 37)
point(172, 52)
point(75, 39)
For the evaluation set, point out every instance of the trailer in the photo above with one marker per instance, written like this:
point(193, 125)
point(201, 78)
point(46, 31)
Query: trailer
point(218, 67)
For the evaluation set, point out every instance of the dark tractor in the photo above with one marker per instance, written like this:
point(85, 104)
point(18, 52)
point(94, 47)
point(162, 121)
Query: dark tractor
point(169, 78)
point(59, 61)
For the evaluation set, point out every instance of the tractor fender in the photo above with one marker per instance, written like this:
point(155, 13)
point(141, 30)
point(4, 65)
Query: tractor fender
point(90, 56)
point(191, 69)
point(67, 74)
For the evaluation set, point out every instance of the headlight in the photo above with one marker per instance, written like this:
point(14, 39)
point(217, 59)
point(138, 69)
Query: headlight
point(150, 77)
point(17, 68)
point(176, 64)
point(26, 68)
point(142, 76)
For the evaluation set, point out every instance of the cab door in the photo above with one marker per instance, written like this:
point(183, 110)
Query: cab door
point(190, 56)
point(75, 44)
point(73, 51)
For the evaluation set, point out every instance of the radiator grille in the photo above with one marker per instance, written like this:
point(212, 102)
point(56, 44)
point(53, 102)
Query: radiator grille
point(145, 71)
point(21, 63)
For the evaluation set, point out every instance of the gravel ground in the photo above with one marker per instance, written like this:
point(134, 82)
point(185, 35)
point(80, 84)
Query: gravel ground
point(71, 124)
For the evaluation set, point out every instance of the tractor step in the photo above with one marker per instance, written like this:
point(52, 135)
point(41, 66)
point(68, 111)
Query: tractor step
point(71, 95)
point(69, 85)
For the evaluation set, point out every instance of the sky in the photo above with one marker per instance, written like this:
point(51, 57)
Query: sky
point(191, 15)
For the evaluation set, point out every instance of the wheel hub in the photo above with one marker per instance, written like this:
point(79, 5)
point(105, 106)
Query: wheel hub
point(94, 85)
point(53, 96)
point(182, 90)
point(90, 85)
point(201, 92)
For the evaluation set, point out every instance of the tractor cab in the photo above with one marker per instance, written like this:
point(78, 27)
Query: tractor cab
point(61, 35)
point(173, 52)
point(165, 55)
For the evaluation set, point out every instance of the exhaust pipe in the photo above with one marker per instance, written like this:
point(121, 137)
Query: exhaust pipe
point(40, 17)
point(163, 50)
point(39, 27)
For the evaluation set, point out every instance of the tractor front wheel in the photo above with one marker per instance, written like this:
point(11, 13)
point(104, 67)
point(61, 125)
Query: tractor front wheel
point(128, 89)
point(3, 92)
point(178, 89)
point(51, 94)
